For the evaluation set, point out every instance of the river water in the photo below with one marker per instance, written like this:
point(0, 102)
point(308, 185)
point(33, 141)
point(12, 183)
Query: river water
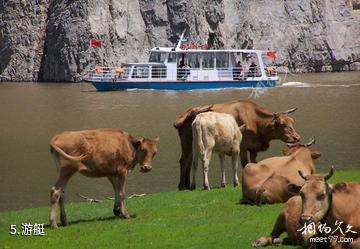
point(30, 114)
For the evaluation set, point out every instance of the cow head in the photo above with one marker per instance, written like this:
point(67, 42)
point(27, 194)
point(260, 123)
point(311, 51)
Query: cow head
point(315, 195)
point(145, 152)
point(293, 147)
point(282, 126)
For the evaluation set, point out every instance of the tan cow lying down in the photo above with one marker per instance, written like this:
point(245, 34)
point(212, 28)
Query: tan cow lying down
point(215, 132)
point(110, 153)
point(266, 182)
point(319, 203)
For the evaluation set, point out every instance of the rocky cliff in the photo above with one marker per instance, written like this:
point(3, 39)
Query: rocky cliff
point(48, 40)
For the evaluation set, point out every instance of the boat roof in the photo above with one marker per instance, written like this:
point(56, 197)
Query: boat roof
point(174, 50)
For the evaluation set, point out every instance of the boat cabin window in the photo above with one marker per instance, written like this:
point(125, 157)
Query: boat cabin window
point(194, 60)
point(222, 60)
point(157, 57)
point(158, 72)
point(172, 57)
point(208, 60)
point(251, 63)
point(140, 72)
point(126, 72)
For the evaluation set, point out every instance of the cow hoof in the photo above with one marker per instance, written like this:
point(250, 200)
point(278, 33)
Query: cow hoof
point(54, 225)
point(223, 185)
point(125, 216)
point(117, 212)
point(236, 184)
point(263, 241)
point(64, 222)
point(256, 243)
point(206, 188)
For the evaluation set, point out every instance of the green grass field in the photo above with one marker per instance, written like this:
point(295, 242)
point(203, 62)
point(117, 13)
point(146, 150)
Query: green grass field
point(188, 219)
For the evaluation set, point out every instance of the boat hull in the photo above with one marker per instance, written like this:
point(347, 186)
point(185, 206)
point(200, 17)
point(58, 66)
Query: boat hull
point(180, 85)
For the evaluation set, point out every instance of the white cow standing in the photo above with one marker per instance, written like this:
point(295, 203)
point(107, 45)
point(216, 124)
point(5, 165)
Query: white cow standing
point(219, 132)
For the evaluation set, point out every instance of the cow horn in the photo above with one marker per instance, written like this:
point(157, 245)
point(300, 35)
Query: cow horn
point(291, 144)
point(329, 175)
point(311, 142)
point(290, 110)
point(302, 175)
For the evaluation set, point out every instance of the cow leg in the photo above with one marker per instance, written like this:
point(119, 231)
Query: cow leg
point(235, 165)
point(115, 183)
point(118, 183)
point(244, 156)
point(63, 218)
point(222, 166)
point(206, 162)
point(195, 161)
point(278, 229)
point(185, 170)
point(55, 194)
point(123, 211)
point(185, 135)
point(253, 155)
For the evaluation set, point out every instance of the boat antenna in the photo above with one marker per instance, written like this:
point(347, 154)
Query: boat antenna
point(180, 40)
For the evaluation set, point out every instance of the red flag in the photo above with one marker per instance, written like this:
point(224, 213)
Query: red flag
point(272, 54)
point(94, 43)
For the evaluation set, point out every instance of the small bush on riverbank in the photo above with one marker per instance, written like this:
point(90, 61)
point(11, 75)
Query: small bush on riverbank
point(188, 219)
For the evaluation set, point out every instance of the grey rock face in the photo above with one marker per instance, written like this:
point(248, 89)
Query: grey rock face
point(22, 35)
point(49, 40)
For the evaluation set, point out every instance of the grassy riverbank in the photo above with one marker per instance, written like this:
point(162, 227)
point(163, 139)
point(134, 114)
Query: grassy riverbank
point(189, 219)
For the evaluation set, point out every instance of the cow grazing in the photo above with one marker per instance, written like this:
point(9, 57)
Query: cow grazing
point(262, 126)
point(319, 203)
point(215, 132)
point(266, 182)
point(110, 153)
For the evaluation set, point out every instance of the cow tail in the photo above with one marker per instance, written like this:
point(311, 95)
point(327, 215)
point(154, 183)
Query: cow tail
point(54, 157)
point(75, 159)
point(197, 137)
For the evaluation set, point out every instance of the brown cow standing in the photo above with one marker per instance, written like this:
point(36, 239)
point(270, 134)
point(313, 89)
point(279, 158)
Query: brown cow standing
point(110, 153)
point(262, 126)
point(319, 203)
point(266, 182)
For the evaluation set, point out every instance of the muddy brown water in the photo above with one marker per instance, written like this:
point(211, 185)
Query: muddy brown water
point(30, 114)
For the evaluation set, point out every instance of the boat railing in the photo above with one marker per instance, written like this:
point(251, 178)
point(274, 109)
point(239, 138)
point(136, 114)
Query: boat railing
point(105, 73)
point(235, 73)
point(161, 74)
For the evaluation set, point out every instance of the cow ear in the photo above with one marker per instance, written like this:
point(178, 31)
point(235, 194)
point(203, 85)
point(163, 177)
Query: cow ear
point(156, 140)
point(339, 187)
point(293, 188)
point(273, 121)
point(137, 142)
point(315, 154)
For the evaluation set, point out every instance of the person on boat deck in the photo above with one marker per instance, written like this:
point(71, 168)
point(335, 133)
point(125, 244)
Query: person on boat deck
point(237, 71)
point(119, 70)
point(252, 69)
point(180, 71)
point(186, 70)
point(98, 69)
